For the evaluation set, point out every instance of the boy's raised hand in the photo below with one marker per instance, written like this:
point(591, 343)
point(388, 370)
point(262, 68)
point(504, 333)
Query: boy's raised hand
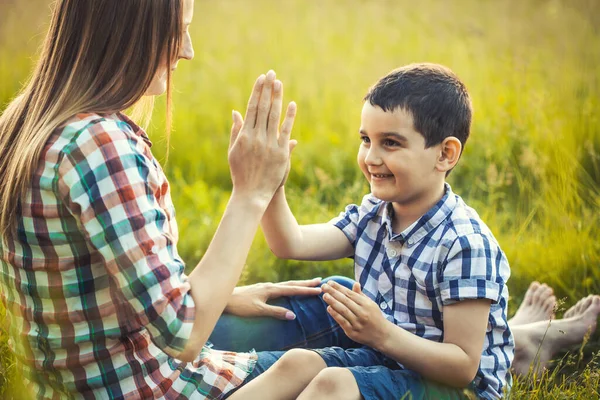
point(358, 315)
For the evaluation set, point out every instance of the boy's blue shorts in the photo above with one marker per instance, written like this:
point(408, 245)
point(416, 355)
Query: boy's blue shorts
point(381, 378)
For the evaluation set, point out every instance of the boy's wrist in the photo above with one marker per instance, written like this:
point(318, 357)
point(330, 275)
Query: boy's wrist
point(386, 338)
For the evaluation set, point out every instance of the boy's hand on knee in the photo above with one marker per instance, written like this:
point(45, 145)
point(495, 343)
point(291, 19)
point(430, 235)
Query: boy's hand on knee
point(358, 315)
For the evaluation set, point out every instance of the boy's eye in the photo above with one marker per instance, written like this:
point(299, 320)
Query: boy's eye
point(365, 139)
point(389, 142)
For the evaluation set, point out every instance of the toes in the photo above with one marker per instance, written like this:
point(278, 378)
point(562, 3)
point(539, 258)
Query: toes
point(573, 310)
point(587, 302)
point(569, 313)
point(582, 305)
point(549, 305)
point(539, 296)
point(533, 287)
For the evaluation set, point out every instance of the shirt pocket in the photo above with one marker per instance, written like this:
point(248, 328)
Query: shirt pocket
point(427, 306)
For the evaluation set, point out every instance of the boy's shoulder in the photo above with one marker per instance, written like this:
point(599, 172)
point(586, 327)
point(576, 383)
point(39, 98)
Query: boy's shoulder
point(466, 221)
point(369, 207)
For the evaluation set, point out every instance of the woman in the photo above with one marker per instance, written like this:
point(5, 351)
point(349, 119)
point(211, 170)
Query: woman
point(96, 297)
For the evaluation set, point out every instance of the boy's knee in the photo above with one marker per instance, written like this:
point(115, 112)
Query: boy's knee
point(296, 360)
point(332, 381)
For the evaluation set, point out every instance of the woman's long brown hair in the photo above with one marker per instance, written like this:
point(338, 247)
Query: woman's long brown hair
point(98, 56)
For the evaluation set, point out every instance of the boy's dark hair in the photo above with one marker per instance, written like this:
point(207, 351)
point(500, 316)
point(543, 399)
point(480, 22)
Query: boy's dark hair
point(437, 100)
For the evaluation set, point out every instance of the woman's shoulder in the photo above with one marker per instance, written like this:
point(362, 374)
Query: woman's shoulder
point(100, 127)
point(88, 132)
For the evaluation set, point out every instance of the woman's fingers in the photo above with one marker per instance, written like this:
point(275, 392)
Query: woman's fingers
point(252, 109)
point(278, 312)
point(288, 291)
point(275, 113)
point(264, 104)
point(304, 282)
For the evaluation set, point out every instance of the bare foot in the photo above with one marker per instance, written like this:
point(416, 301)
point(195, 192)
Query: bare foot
point(538, 305)
point(578, 308)
point(537, 342)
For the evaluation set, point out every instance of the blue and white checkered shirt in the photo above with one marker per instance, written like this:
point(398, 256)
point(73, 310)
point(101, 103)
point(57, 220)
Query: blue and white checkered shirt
point(448, 255)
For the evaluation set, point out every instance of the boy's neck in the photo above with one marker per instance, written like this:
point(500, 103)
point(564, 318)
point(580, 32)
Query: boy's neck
point(405, 214)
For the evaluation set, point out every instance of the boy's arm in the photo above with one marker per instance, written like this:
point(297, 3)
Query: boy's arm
point(453, 362)
point(288, 239)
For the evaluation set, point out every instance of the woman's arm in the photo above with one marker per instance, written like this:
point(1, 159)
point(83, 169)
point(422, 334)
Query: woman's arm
point(108, 181)
point(258, 157)
point(288, 239)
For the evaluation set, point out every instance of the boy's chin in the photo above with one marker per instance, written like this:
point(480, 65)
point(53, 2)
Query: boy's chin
point(383, 194)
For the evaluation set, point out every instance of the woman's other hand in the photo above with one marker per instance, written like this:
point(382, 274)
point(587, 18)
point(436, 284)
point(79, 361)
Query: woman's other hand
point(251, 301)
point(259, 151)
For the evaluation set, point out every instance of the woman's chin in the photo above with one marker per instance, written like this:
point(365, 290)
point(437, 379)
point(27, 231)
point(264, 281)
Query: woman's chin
point(156, 89)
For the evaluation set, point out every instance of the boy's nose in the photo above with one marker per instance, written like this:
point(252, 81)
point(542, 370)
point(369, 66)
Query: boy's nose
point(372, 157)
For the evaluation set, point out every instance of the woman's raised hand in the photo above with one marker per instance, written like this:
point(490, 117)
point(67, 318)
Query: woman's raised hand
point(259, 150)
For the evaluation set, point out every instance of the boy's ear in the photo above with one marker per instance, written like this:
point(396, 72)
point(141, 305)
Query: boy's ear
point(449, 154)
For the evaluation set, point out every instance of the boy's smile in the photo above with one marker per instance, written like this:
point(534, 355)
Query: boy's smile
point(393, 158)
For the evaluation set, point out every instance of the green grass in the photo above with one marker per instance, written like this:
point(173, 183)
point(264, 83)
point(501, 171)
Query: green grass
point(531, 167)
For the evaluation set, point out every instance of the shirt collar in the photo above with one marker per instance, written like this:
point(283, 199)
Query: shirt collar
point(424, 225)
point(136, 129)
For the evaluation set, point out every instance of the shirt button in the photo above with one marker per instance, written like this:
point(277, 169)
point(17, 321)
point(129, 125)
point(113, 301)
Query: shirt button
point(154, 249)
point(393, 253)
point(383, 305)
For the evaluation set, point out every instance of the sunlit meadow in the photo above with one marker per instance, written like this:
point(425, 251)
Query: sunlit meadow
point(531, 167)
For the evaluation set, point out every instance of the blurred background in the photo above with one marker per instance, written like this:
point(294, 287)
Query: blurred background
point(531, 167)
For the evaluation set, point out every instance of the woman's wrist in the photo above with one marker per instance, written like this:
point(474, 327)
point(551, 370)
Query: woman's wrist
point(251, 202)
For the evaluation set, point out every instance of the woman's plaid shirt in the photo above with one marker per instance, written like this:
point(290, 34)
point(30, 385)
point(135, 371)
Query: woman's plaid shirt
point(97, 302)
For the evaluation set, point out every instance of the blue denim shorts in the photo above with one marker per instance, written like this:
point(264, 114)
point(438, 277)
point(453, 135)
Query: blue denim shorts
point(381, 378)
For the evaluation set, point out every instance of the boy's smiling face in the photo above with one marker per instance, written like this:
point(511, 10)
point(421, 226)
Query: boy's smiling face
point(393, 157)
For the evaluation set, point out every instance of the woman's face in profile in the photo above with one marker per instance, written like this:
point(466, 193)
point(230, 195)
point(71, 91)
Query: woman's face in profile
point(159, 83)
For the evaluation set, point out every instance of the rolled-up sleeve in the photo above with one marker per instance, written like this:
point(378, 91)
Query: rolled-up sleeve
point(474, 269)
point(109, 184)
point(347, 222)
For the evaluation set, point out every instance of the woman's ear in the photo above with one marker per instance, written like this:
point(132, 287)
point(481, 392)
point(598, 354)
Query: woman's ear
point(450, 150)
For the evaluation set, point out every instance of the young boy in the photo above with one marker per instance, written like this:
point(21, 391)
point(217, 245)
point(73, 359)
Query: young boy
point(430, 303)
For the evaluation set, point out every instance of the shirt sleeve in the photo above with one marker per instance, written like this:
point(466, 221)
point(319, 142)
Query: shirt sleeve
point(474, 269)
point(347, 222)
point(109, 184)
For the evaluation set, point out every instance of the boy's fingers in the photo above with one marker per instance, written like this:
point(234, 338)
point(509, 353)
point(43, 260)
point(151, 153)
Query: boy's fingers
point(253, 101)
point(292, 145)
point(279, 313)
point(343, 322)
point(275, 112)
point(351, 295)
point(340, 307)
point(288, 124)
point(264, 104)
point(236, 127)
